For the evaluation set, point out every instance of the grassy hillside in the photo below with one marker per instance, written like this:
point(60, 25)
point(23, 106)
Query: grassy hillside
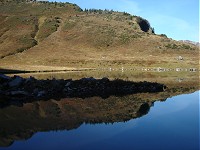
point(36, 35)
point(23, 25)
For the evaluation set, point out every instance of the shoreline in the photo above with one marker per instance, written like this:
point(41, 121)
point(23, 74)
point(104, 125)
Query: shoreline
point(7, 71)
point(142, 69)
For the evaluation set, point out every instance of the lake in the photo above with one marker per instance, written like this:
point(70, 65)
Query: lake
point(158, 121)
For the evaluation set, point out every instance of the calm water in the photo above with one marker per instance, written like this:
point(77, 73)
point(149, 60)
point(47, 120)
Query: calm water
point(138, 122)
point(173, 124)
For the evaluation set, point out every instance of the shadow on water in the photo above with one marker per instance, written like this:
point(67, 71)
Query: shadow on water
point(71, 111)
point(12, 71)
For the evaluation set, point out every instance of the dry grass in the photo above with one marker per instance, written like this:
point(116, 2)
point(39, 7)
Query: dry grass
point(69, 38)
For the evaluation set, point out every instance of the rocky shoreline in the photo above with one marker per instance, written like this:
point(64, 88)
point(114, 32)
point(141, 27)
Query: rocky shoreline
point(29, 89)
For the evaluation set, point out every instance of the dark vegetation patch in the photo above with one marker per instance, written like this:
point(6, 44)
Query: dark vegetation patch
point(22, 90)
point(144, 24)
point(178, 47)
point(49, 26)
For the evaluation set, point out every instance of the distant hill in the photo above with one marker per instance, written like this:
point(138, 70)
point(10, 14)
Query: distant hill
point(190, 42)
point(36, 34)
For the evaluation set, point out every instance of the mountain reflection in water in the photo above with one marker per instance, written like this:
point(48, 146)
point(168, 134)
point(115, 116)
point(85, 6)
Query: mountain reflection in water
point(19, 123)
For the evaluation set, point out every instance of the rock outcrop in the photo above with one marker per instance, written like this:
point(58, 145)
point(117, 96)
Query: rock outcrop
point(18, 89)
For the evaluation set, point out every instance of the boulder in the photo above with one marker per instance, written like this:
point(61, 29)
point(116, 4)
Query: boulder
point(88, 79)
point(104, 80)
point(4, 78)
point(67, 89)
point(35, 91)
point(30, 79)
point(41, 94)
point(16, 82)
point(68, 84)
point(18, 93)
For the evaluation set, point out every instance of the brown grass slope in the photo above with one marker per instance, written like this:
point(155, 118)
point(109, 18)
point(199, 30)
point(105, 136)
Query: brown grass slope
point(43, 34)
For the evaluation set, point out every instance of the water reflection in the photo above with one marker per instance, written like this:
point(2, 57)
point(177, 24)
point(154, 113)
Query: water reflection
point(20, 123)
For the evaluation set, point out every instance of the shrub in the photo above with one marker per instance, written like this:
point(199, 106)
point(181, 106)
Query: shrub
point(126, 14)
point(163, 35)
point(143, 23)
point(153, 30)
point(172, 46)
point(184, 46)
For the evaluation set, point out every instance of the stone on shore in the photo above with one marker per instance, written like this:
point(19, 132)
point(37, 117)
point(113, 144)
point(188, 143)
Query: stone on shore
point(16, 82)
point(32, 88)
point(4, 78)
point(19, 93)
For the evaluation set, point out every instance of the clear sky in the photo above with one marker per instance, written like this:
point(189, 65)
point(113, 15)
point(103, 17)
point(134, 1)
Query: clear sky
point(178, 19)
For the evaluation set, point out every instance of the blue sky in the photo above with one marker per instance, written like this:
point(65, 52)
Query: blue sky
point(178, 19)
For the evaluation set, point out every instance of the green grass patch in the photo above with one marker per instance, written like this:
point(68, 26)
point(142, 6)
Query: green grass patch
point(69, 24)
point(182, 46)
point(49, 26)
point(125, 38)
